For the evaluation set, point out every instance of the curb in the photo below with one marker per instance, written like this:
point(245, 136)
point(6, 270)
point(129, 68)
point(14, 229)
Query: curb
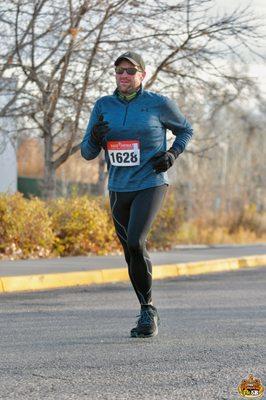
point(9, 284)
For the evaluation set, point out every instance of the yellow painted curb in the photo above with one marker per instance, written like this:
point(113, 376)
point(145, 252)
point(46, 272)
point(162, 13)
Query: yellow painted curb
point(10, 284)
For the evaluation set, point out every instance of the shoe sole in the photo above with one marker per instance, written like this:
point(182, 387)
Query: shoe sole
point(141, 335)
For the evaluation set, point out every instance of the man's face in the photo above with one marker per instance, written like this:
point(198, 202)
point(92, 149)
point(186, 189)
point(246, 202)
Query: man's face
point(126, 83)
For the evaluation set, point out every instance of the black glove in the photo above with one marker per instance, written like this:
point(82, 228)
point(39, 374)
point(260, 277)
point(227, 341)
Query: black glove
point(163, 160)
point(99, 130)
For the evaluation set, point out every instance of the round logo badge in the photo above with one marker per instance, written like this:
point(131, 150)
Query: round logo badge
point(251, 388)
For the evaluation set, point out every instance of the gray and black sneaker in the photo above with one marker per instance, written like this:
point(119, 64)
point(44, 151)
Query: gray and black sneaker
point(147, 325)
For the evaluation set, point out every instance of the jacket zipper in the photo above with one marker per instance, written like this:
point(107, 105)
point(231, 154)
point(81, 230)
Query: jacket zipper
point(125, 117)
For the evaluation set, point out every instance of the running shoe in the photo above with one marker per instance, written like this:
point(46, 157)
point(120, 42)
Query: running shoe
point(147, 324)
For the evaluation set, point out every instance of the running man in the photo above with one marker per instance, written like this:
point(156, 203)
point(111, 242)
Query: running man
point(130, 125)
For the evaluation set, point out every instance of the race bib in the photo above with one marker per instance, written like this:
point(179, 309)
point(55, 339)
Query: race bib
point(124, 153)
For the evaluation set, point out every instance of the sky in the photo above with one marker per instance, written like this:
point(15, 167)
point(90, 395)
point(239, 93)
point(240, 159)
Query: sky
point(256, 67)
point(257, 70)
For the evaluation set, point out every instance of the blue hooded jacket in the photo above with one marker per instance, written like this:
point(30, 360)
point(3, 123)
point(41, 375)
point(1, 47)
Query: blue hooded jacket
point(143, 120)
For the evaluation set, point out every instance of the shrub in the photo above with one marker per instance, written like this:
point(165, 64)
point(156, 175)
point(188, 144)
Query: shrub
point(82, 226)
point(244, 227)
point(25, 227)
point(248, 219)
point(164, 229)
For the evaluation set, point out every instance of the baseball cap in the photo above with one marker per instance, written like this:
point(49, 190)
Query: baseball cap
point(133, 57)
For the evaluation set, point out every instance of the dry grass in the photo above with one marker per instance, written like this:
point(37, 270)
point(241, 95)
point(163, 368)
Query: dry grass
point(244, 226)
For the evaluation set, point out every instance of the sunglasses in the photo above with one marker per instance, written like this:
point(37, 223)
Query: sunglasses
point(129, 71)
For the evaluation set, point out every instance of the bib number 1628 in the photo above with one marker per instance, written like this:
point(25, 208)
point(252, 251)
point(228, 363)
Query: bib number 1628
point(124, 153)
point(125, 157)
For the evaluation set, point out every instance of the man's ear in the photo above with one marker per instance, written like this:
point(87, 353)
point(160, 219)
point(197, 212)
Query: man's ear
point(143, 74)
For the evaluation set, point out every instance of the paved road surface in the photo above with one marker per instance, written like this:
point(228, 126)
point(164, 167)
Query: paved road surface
point(180, 255)
point(74, 343)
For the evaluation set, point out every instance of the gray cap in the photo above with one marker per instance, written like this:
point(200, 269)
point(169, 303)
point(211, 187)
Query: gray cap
point(134, 58)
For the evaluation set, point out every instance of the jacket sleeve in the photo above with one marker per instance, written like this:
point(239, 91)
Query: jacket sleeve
point(90, 149)
point(173, 119)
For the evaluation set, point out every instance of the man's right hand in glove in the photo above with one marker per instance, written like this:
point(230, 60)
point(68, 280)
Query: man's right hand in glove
point(99, 130)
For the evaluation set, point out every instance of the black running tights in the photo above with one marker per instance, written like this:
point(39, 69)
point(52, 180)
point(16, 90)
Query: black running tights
point(133, 214)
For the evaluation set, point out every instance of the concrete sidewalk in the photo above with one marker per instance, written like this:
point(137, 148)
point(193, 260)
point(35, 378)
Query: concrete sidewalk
point(42, 274)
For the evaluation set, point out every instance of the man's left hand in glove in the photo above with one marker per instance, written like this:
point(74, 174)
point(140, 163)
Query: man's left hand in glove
point(163, 160)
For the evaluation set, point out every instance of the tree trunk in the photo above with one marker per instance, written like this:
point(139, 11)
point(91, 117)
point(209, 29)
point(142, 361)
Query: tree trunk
point(102, 178)
point(49, 185)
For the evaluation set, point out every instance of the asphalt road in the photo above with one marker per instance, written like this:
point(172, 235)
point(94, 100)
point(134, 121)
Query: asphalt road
point(82, 263)
point(75, 344)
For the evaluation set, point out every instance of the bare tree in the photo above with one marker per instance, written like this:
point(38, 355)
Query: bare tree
point(62, 59)
point(229, 173)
